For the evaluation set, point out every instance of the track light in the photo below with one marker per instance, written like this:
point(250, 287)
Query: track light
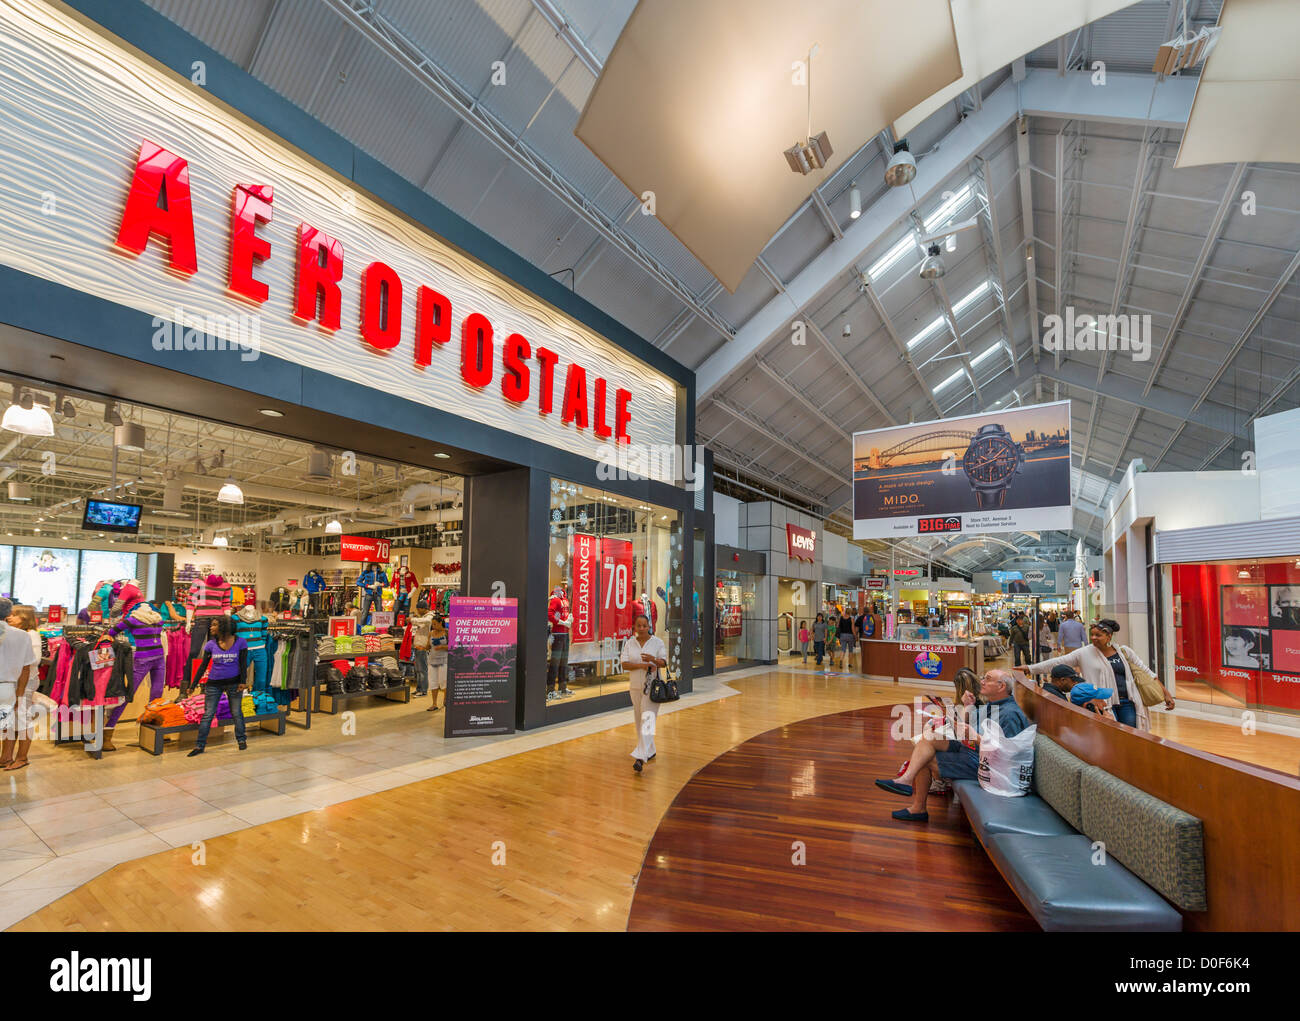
point(902, 166)
point(230, 493)
point(855, 201)
point(129, 436)
point(20, 492)
point(64, 406)
point(932, 266)
point(27, 418)
point(111, 415)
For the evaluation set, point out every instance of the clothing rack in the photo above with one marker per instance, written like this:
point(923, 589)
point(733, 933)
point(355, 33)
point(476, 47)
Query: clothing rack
point(301, 630)
point(78, 632)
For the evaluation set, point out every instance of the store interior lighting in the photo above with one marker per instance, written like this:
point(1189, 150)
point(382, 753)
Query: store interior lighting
point(111, 415)
point(230, 493)
point(932, 266)
point(902, 166)
point(221, 541)
point(333, 527)
point(855, 201)
point(20, 492)
point(27, 418)
point(129, 436)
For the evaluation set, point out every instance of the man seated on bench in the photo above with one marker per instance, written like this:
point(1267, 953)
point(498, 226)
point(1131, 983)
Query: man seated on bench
point(959, 759)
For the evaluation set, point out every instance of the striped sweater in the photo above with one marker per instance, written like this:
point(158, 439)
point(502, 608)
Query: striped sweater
point(144, 627)
point(209, 600)
point(254, 632)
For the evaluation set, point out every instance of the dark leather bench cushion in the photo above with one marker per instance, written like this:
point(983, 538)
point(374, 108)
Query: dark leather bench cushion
point(1055, 879)
point(989, 813)
point(1056, 779)
point(1162, 844)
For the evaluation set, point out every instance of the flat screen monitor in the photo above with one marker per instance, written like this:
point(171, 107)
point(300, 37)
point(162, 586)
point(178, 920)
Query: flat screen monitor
point(106, 516)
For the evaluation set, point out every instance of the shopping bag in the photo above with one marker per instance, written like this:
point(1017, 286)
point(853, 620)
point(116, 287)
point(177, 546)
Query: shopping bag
point(1006, 763)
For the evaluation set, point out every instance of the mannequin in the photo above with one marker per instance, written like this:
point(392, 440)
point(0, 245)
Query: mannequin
point(370, 584)
point(144, 625)
point(206, 599)
point(560, 617)
point(404, 581)
point(313, 583)
point(251, 626)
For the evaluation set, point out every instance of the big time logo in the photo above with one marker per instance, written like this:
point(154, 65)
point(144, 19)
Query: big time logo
point(159, 205)
point(938, 524)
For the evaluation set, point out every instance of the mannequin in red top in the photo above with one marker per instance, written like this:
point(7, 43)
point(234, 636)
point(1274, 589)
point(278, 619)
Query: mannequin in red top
point(404, 581)
point(560, 617)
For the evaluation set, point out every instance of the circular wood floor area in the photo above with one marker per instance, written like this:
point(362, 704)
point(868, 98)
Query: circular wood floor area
point(726, 854)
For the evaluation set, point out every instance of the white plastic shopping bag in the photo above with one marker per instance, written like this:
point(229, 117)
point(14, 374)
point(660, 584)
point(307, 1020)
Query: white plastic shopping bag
point(1006, 763)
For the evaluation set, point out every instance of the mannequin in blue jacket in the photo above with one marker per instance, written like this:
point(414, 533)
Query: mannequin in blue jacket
point(371, 582)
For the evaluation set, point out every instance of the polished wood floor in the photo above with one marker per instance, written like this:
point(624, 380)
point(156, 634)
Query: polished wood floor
point(572, 819)
point(789, 832)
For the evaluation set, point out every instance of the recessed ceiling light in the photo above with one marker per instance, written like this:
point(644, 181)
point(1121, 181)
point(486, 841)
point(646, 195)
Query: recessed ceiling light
point(271, 412)
point(441, 455)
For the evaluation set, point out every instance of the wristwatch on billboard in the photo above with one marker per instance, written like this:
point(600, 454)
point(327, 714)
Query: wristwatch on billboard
point(992, 460)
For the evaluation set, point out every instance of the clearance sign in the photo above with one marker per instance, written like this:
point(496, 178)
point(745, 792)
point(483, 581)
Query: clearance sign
point(167, 203)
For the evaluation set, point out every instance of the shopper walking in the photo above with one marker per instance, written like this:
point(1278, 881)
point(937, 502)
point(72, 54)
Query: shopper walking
point(1046, 640)
point(18, 662)
point(421, 627)
point(1020, 639)
point(227, 655)
point(819, 637)
point(1105, 665)
point(804, 637)
point(643, 656)
point(848, 637)
point(1072, 634)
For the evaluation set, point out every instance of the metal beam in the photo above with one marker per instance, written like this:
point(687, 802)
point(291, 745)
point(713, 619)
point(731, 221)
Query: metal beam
point(824, 211)
point(869, 291)
point(1027, 225)
point(785, 385)
point(771, 433)
point(362, 16)
point(941, 295)
point(995, 241)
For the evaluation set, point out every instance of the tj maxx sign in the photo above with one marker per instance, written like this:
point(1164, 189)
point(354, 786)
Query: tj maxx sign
point(801, 543)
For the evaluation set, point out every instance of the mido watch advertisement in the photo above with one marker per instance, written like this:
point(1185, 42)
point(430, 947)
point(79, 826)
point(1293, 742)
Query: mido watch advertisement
point(998, 471)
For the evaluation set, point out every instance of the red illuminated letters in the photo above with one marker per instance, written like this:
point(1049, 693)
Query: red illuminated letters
point(476, 350)
point(320, 268)
point(575, 397)
point(159, 203)
point(432, 323)
point(250, 205)
point(514, 384)
point(601, 428)
point(381, 307)
point(546, 381)
point(622, 416)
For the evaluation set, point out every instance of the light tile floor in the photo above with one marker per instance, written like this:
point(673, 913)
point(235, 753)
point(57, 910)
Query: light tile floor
point(52, 845)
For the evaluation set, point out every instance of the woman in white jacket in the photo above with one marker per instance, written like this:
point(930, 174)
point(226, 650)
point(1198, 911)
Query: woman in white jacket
point(1105, 665)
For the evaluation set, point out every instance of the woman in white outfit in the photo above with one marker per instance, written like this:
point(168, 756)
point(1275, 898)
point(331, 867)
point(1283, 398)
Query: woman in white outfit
point(643, 656)
point(1105, 665)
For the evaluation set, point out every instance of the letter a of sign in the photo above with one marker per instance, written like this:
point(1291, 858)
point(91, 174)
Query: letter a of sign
point(159, 203)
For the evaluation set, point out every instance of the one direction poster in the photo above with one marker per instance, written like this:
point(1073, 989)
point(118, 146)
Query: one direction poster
point(1001, 471)
point(482, 655)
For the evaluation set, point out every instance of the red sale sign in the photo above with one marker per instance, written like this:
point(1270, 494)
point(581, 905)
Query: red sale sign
point(616, 577)
point(342, 626)
point(358, 548)
point(584, 553)
point(55, 614)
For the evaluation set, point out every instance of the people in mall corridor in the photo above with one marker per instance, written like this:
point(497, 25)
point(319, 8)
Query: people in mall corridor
point(1020, 638)
point(421, 626)
point(1107, 666)
point(1072, 634)
point(19, 658)
point(847, 637)
point(1046, 640)
point(370, 584)
point(804, 636)
point(437, 662)
point(225, 657)
point(643, 656)
point(957, 759)
point(819, 637)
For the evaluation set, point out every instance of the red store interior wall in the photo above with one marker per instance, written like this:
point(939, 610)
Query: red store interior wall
point(1240, 634)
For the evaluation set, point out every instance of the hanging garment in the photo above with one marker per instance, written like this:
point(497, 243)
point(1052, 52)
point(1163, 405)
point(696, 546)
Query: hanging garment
point(178, 648)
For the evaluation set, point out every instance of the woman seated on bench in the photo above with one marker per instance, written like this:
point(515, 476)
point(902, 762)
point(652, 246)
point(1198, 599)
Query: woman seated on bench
point(957, 759)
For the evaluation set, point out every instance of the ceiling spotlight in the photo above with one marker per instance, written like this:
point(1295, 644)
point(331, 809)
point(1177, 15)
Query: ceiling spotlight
point(111, 415)
point(271, 412)
point(902, 166)
point(220, 540)
point(20, 491)
point(951, 244)
point(129, 436)
point(333, 527)
point(855, 201)
point(805, 157)
point(932, 266)
point(27, 418)
point(65, 407)
point(230, 493)
point(441, 456)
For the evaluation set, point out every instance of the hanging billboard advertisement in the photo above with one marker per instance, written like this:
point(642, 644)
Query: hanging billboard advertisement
point(998, 471)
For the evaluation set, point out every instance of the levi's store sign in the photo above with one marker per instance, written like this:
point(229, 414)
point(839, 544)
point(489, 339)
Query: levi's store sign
point(801, 543)
point(361, 549)
point(170, 205)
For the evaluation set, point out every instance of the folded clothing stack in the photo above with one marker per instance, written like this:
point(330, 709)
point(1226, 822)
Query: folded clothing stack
point(387, 643)
point(372, 643)
point(358, 646)
point(162, 712)
point(192, 707)
point(376, 677)
point(389, 663)
point(343, 643)
point(355, 679)
point(333, 680)
point(326, 645)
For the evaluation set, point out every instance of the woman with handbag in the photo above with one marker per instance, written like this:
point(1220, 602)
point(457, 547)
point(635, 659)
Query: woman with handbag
point(1103, 664)
point(643, 656)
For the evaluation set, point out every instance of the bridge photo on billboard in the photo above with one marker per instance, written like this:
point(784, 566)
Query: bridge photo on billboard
point(998, 471)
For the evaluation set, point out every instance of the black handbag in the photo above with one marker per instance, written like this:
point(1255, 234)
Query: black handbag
point(664, 689)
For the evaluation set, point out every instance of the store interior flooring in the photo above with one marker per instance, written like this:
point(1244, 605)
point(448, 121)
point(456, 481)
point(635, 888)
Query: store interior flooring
point(397, 832)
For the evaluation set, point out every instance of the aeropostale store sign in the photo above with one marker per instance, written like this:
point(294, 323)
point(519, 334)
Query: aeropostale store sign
point(129, 183)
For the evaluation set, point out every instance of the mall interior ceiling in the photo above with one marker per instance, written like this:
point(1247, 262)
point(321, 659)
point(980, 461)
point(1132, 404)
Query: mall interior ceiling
point(1074, 204)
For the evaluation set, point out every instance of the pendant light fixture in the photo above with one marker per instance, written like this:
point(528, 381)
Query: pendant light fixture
point(27, 418)
point(221, 541)
point(230, 493)
point(855, 201)
point(333, 527)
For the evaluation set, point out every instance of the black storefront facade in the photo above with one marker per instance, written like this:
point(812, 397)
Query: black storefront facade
point(54, 332)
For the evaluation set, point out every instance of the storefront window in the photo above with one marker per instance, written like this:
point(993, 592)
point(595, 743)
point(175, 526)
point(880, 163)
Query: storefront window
point(44, 576)
point(738, 615)
point(696, 631)
point(611, 558)
point(1236, 633)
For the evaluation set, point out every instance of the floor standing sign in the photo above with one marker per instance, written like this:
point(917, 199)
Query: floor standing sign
point(482, 652)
